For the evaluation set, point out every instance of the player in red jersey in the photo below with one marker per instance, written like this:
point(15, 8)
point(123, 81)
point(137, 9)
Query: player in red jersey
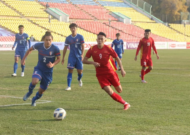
point(145, 45)
point(105, 68)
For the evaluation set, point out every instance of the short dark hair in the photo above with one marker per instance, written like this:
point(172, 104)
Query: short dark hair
point(21, 26)
point(118, 34)
point(73, 25)
point(102, 34)
point(147, 30)
point(48, 33)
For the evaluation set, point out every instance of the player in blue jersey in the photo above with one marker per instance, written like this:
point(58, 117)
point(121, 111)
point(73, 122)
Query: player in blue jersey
point(118, 45)
point(21, 40)
point(48, 57)
point(76, 44)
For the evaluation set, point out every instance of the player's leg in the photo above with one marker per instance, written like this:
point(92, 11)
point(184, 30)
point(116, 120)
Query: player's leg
point(70, 66)
point(22, 66)
point(150, 66)
point(36, 77)
point(115, 96)
point(114, 80)
point(79, 66)
point(15, 67)
point(143, 64)
point(46, 80)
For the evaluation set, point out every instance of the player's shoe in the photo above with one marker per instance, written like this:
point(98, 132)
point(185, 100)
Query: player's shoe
point(80, 83)
point(33, 102)
point(14, 74)
point(26, 97)
point(126, 106)
point(68, 88)
point(22, 74)
point(143, 81)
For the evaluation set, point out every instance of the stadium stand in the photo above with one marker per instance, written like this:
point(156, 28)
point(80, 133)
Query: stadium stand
point(6, 11)
point(112, 0)
point(133, 30)
point(30, 28)
point(131, 13)
point(84, 2)
point(71, 10)
point(96, 27)
point(98, 12)
point(113, 4)
point(164, 31)
point(181, 28)
point(53, 1)
point(25, 7)
point(63, 28)
point(7, 38)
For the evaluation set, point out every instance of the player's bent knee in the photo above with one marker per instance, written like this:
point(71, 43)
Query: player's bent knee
point(35, 81)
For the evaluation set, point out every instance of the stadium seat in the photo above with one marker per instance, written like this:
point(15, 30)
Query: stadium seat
point(7, 38)
point(113, 4)
point(97, 11)
point(6, 11)
point(63, 29)
point(72, 11)
point(164, 31)
point(84, 2)
point(183, 29)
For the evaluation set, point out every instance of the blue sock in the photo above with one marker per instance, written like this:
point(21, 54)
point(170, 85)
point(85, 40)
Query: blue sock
point(80, 76)
point(30, 89)
point(15, 67)
point(38, 96)
point(69, 79)
point(23, 67)
point(116, 63)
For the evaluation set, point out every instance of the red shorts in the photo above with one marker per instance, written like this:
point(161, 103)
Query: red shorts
point(108, 80)
point(146, 62)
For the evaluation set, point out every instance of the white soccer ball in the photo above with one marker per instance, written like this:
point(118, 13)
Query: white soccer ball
point(59, 114)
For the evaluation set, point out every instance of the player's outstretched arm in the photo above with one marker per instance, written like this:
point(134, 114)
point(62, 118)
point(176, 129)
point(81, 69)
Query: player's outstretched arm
point(64, 52)
point(14, 44)
point(82, 51)
point(154, 48)
point(26, 55)
point(121, 66)
point(85, 61)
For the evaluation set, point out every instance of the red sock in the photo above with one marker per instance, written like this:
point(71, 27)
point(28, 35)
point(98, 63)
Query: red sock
point(142, 74)
point(117, 98)
point(147, 71)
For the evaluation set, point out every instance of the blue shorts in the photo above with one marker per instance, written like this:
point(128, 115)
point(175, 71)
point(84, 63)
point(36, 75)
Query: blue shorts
point(44, 77)
point(119, 54)
point(75, 62)
point(20, 54)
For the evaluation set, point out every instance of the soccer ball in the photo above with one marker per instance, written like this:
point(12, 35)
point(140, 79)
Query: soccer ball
point(59, 114)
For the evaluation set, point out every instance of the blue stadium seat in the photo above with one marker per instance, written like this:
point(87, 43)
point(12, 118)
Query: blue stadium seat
point(84, 2)
point(113, 4)
point(54, 1)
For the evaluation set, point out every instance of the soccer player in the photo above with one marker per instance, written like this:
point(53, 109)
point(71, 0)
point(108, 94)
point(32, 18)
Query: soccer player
point(105, 68)
point(48, 57)
point(76, 43)
point(118, 45)
point(145, 45)
point(21, 40)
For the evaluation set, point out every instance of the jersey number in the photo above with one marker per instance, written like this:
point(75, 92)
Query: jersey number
point(44, 59)
point(100, 55)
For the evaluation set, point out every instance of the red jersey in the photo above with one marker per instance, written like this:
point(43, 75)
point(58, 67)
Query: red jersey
point(146, 45)
point(104, 57)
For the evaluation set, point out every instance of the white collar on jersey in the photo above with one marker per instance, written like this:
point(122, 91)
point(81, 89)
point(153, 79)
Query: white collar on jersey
point(46, 48)
point(20, 34)
point(74, 37)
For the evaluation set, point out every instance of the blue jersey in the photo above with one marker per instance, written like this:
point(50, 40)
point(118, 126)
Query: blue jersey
point(46, 55)
point(75, 44)
point(21, 42)
point(118, 44)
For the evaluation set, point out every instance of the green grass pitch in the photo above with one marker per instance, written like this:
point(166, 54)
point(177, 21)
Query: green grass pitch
point(160, 107)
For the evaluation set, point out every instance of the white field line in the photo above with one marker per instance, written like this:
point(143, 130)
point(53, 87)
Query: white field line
point(39, 102)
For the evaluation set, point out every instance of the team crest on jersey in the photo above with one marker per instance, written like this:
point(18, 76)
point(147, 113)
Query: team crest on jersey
point(77, 40)
point(148, 43)
point(50, 53)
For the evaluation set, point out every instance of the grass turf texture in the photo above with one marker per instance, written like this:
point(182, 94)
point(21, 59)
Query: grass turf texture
point(160, 107)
